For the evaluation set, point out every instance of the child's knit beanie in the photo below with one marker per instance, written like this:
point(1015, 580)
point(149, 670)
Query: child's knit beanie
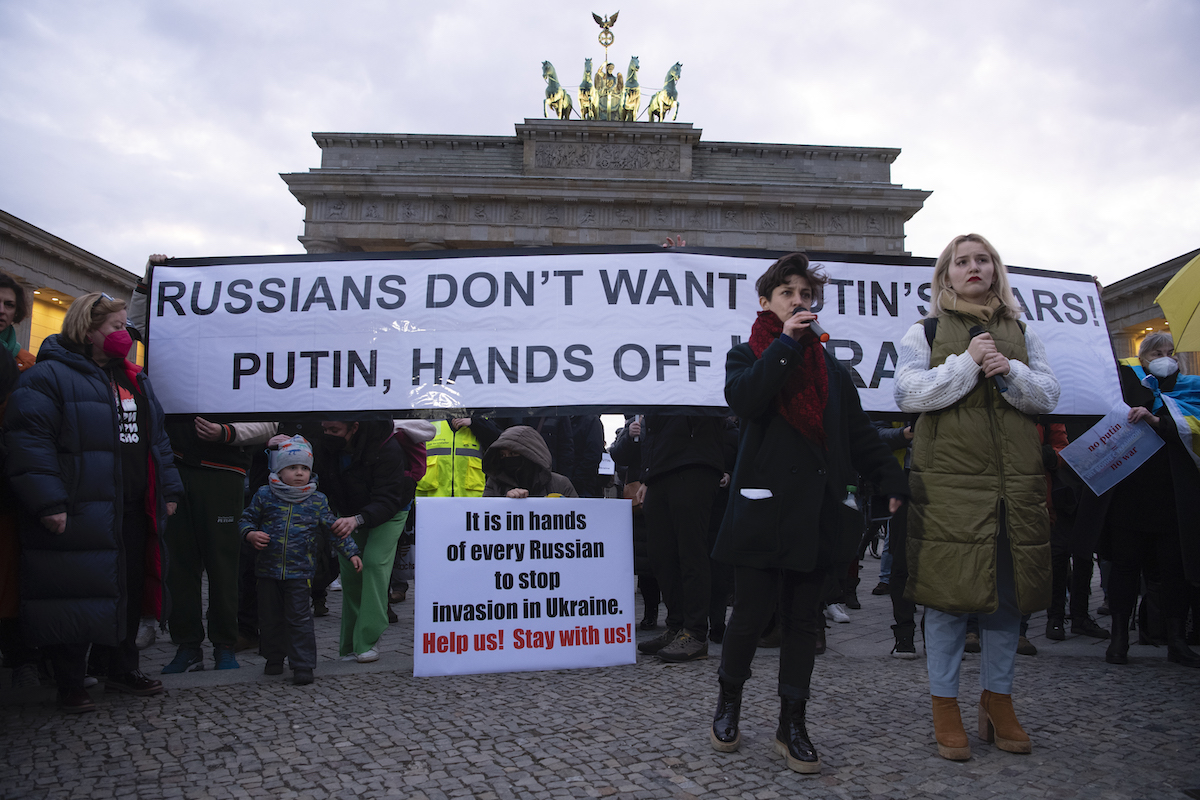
point(295, 450)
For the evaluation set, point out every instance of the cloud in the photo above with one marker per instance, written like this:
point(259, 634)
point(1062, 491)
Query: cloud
point(1062, 131)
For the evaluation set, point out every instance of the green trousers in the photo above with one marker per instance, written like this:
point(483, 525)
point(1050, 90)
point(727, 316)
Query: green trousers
point(202, 537)
point(364, 595)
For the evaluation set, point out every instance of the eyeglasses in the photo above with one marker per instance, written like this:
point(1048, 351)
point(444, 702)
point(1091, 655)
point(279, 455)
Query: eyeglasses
point(103, 296)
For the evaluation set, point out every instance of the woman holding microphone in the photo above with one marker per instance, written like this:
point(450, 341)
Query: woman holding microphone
point(978, 529)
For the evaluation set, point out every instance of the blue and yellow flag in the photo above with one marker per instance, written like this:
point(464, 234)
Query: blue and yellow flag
point(1183, 401)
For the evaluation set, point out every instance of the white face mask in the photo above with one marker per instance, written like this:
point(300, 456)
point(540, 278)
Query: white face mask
point(1163, 367)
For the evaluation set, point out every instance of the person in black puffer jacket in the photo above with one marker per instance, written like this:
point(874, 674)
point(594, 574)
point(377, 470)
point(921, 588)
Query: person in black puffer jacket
point(626, 453)
point(362, 471)
point(88, 456)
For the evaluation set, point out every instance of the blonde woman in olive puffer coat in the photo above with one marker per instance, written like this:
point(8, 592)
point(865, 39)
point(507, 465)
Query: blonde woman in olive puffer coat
point(978, 528)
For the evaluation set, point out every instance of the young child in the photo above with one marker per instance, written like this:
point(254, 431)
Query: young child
point(284, 521)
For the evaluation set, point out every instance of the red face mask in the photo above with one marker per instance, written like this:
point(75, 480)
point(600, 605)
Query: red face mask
point(117, 344)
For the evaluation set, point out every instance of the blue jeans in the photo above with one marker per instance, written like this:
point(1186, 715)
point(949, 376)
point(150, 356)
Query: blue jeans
point(945, 635)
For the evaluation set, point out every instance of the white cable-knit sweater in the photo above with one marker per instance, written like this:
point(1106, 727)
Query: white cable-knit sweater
point(1032, 387)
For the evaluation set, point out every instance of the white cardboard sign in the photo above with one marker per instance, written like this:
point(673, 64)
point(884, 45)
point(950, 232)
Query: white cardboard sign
point(1111, 450)
point(516, 585)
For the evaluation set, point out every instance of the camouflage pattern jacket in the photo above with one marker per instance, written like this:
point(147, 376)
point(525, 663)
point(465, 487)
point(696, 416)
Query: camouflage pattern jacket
point(297, 531)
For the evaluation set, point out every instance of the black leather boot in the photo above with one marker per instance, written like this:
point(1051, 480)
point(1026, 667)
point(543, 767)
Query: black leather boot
point(725, 735)
point(1178, 651)
point(791, 738)
point(1118, 646)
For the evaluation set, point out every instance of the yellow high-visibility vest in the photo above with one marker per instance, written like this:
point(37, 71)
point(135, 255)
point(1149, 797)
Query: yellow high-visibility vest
point(453, 464)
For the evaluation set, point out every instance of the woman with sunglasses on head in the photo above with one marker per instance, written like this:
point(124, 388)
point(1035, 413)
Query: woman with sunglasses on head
point(89, 458)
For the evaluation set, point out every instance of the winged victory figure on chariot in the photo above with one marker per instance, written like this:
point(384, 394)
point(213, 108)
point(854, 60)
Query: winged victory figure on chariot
point(608, 95)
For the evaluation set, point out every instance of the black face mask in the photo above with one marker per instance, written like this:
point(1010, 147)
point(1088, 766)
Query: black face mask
point(512, 465)
point(332, 444)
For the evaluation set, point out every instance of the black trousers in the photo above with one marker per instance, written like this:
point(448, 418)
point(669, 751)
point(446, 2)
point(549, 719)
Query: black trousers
point(247, 592)
point(721, 574)
point(12, 645)
point(1155, 553)
point(757, 593)
point(903, 611)
point(677, 509)
point(285, 623)
point(1070, 565)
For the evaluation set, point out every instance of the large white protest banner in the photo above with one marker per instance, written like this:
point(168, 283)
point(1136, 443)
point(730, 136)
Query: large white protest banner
point(1111, 450)
point(516, 585)
point(536, 330)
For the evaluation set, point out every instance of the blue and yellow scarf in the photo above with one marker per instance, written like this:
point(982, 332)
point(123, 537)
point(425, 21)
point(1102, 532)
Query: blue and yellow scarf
point(1183, 401)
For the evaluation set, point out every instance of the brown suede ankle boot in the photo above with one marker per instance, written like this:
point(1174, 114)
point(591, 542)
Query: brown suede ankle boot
point(948, 730)
point(998, 723)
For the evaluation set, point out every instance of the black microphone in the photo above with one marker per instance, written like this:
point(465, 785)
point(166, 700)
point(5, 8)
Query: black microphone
point(817, 330)
point(1001, 384)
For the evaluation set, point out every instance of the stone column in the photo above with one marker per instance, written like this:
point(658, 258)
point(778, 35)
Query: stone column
point(318, 244)
point(1123, 345)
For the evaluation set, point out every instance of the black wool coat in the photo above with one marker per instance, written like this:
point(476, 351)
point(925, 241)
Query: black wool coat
point(801, 526)
point(1096, 525)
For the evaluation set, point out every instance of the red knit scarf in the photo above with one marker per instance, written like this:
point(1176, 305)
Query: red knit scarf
point(806, 389)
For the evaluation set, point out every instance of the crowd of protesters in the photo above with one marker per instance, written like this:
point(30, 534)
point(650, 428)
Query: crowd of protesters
point(114, 514)
point(747, 529)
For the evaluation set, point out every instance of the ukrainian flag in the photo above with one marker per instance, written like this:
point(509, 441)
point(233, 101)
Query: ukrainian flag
point(1183, 401)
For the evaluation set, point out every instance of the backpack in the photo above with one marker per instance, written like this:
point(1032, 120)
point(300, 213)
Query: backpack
point(416, 434)
point(930, 325)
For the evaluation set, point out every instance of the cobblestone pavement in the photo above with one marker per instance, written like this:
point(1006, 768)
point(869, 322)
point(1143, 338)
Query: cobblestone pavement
point(374, 731)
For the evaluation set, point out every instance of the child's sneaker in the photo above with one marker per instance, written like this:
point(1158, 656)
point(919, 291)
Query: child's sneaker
point(224, 657)
point(187, 659)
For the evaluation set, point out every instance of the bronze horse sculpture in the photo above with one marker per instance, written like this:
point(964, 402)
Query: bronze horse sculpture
point(666, 98)
point(556, 96)
point(588, 102)
point(631, 101)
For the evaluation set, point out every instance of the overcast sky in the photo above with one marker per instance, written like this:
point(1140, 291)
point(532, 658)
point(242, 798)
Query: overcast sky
point(1066, 132)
